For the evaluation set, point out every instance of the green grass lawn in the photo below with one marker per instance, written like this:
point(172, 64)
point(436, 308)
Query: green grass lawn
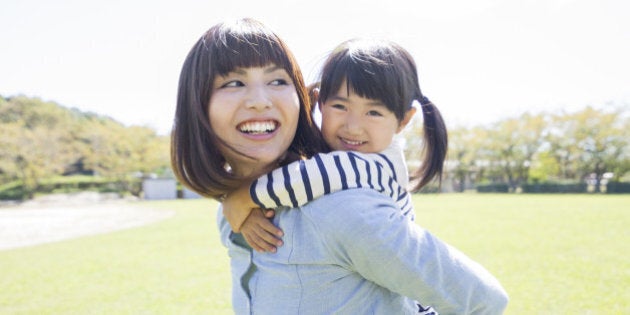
point(554, 254)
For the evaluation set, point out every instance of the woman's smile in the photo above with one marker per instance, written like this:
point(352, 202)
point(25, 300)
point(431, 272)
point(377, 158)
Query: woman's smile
point(258, 127)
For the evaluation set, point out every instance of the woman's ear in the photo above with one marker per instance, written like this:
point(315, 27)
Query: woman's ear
point(406, 119)
point(315, 97)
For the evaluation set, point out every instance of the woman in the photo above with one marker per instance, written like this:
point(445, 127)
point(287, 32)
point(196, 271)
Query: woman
point(242, 110)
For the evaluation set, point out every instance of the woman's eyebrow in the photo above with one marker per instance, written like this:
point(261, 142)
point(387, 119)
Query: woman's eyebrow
point(239, 71)
point(273, 69)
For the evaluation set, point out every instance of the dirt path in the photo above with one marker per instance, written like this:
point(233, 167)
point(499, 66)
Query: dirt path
point(70, 217)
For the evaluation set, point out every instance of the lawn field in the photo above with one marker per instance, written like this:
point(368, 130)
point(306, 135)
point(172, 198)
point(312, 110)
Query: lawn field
point(554, 254)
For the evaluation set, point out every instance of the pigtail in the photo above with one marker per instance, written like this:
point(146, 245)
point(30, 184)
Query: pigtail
point(436, 144)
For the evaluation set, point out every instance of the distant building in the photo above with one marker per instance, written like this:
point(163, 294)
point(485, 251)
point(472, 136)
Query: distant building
point(189, 194)
point(159, 188)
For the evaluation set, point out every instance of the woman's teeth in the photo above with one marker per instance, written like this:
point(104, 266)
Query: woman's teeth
point(258, 127)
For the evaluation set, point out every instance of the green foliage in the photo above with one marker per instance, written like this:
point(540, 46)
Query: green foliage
point(493, 188)
point(544, 167)
point(617, 188)
point(13, 191)
point(537, 148)
point(42, 140)
point(69, 184)
point(564, 188)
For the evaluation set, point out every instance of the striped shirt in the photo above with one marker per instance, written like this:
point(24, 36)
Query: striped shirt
point(302, 181)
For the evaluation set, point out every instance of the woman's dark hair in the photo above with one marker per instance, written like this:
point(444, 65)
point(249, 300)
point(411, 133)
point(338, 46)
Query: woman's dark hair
point(195, 156)
point(384, 71)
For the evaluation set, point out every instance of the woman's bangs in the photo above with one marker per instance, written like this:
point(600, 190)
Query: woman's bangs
point(246, 51)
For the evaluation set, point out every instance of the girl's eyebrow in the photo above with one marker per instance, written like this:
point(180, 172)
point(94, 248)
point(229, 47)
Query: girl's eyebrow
point(337, 98)
point(344, 99)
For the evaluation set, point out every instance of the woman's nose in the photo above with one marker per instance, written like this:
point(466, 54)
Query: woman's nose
point(258, 98)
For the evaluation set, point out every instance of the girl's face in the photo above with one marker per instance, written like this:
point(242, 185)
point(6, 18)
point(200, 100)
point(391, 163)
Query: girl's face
point(353, 123)
point(255, 111)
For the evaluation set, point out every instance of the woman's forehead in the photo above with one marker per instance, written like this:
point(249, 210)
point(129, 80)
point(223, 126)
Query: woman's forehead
point(267, 69)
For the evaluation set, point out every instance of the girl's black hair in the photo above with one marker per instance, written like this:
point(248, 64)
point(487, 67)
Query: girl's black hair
point(384, 71)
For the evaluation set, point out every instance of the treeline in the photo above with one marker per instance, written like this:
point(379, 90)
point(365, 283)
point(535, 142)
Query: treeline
point(43, 144)
point(567, 152)
point(42, 140)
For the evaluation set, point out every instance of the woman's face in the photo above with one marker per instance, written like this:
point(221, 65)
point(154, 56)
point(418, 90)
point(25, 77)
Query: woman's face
point(255, 111)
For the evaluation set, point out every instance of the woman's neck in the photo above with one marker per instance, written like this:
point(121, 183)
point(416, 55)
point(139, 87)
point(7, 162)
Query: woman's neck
point(253, 169)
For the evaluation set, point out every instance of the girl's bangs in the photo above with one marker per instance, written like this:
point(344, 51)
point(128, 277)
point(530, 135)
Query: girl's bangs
point(363, 79)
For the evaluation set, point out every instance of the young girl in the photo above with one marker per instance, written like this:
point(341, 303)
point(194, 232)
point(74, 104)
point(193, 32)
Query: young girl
point(366, 97)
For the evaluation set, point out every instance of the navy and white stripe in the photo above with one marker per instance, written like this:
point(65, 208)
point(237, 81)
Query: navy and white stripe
point(302, 181)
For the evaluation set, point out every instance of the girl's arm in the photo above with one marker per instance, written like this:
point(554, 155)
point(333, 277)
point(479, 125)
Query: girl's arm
point(302, 181)
point(237, 206)
point(246, 218)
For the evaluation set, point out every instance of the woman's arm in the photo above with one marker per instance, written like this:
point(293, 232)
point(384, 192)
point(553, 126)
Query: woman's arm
point(386, 248)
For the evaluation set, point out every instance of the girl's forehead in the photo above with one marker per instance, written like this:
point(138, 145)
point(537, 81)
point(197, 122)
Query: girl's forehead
point(347, 89)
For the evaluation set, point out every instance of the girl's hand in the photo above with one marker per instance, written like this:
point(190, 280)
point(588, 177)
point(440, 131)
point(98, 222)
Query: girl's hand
point(260, 233)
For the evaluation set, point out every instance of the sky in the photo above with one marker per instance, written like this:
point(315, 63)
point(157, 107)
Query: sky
point(479, 61)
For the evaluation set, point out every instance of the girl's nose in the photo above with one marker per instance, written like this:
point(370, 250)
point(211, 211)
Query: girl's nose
point(353, 124)
point(258, 98)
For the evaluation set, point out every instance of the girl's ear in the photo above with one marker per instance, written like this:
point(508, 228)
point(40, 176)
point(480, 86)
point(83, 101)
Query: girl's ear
point(406, 119)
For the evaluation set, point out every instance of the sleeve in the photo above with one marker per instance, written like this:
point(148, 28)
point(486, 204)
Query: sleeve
point(300, 182)
point(240, 264)
point(382, 246)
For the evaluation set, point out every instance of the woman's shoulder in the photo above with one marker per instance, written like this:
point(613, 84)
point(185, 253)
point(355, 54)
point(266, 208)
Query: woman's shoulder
point(351, 198)
point(352, 207)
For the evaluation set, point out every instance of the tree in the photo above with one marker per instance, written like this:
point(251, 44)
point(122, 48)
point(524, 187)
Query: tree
point(124, 153)
point(43, 139)
point(35, 140)
point(465, 162)
point(513, 144)
point(590, 142)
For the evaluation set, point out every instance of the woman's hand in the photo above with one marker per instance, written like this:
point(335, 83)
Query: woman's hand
point(260, 233)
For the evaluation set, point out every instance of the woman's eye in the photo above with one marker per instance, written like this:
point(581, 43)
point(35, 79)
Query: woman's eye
point(279, 82)
point(374, 113)
point(234, 83)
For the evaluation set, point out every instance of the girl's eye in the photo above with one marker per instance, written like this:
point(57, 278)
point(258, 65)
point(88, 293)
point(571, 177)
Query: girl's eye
point(374, 113)
point(234, 83)
point(338, 106)
point(279, 82)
